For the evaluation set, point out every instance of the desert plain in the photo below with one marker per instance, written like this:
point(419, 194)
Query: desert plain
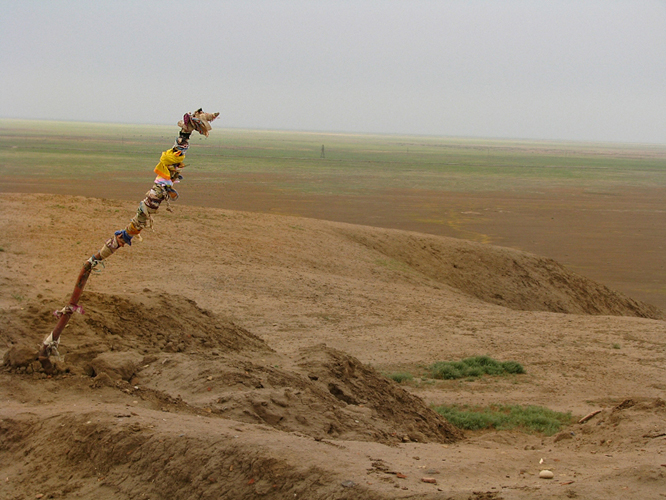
point(248, 346)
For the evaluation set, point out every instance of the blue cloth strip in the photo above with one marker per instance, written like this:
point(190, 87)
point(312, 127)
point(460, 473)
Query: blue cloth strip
point(126, 237)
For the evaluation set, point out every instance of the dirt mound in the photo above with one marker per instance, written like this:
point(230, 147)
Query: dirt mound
point(161, 322)
point(179, 385)
point(356, 384)
point(502, 276)
point(98, 455)
point(143, 324)
point(184, 358)
point(314, 400)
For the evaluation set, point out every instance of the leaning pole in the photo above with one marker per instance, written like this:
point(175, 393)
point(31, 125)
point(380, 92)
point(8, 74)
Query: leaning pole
point(168, 172)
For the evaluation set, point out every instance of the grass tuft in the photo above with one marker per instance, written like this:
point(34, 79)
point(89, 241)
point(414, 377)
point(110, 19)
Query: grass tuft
point(401, 377)
point(473, 367)
point(504, 417)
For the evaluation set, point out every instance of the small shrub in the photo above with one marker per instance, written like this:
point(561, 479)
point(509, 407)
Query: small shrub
point(617, 346)
point(446, 371)
point(503, 417)
point(513, 367)
point(473, 367)
point(400, 377)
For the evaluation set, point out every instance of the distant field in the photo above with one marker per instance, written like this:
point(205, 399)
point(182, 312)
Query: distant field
point(597, 208)
point(353, 164)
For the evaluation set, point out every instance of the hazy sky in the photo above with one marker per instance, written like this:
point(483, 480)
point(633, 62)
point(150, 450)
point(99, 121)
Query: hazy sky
point(552, 69)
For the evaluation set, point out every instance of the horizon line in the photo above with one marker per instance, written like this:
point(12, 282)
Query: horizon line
point(356, 133)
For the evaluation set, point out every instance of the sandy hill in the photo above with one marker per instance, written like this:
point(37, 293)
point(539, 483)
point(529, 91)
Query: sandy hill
point(236, 355)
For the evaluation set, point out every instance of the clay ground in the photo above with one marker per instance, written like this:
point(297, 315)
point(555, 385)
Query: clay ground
point(198, 370)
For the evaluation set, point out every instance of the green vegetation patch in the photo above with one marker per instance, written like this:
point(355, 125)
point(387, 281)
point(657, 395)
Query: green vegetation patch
point(400, 377)
point(504, 417)
point(476, 366)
